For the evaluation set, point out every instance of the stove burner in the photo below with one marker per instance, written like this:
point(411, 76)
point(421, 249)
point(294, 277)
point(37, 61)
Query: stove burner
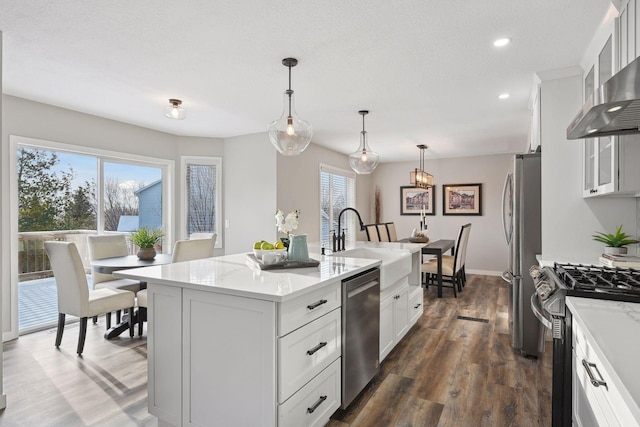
point(581, 280)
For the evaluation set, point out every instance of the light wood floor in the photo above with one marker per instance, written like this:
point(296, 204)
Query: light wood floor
point(446, 372)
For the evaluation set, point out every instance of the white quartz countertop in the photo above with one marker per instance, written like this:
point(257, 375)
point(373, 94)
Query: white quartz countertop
point(392, 246)
point(233, 275)
point(613, 328)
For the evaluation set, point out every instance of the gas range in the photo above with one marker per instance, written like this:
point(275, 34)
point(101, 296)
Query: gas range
point(555, 283)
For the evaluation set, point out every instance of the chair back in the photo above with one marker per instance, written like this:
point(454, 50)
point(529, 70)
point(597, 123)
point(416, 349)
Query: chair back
point(391, 229)
point(463, 238)
point(187, 250)
point(195, 236)
point(382, 232)
point(372, 233)
point(465, 244)
point(71, 281)
point(106, 246)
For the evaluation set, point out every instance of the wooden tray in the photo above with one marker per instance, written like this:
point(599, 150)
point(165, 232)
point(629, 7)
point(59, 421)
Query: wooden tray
point(288, 263)
point(419, 239)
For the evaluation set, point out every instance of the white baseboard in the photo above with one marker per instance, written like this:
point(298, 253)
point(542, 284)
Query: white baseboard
point(485, 272)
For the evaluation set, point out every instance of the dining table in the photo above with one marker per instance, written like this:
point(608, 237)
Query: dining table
point(437, 248)
point(109, 265)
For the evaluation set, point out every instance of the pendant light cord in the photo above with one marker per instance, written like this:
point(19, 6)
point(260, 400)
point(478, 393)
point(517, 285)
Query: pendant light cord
point(289, 91)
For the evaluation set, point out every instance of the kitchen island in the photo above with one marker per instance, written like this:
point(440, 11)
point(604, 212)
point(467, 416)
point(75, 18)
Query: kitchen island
point(230, 344)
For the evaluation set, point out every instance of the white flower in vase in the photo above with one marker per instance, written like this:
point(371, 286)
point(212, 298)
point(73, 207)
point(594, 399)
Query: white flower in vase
point(286, 224)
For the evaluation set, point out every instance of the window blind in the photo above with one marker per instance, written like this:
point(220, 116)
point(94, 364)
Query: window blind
point(337, 191)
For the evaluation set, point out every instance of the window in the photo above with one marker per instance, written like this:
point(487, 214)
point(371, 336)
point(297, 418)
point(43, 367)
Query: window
point(337, 191)
point(201, 201)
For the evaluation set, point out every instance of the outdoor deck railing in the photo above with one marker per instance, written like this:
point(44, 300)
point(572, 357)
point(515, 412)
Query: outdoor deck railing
point(33, 262)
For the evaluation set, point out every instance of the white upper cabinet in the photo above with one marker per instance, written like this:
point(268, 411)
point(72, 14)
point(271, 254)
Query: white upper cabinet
point(610, 163)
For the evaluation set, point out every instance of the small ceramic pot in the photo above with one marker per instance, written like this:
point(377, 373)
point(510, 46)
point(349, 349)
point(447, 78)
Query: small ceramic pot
point(146, 253)
point(615, 251)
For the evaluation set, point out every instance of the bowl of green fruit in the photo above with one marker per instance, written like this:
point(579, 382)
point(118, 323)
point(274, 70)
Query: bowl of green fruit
point(262, 247)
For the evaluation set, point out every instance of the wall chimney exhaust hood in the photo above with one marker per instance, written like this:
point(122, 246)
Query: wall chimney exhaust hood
point(613, 109)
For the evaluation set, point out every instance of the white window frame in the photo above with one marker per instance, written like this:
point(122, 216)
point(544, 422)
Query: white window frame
point(200, 160)
point(350, 221)
point(167, 166)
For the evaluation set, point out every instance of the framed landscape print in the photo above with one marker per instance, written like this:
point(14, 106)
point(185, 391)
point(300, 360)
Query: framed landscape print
point(462, 199)
point(416, 201)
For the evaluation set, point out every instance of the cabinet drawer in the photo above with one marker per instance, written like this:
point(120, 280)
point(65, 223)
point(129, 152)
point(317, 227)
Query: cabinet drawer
point(306, 351)
point(610, 404)
point(306, 308)
point(315, 402)
point(416, 307)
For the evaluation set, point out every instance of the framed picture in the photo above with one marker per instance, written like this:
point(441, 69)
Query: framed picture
point(462, 199)
point(414, 201)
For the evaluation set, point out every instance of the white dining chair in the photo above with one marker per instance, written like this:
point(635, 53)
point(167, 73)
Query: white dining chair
point(110, 246)
point(188, 250)
point(452, 265)
point(74, 296)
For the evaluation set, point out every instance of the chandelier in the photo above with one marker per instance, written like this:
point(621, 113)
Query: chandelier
point(419, 178)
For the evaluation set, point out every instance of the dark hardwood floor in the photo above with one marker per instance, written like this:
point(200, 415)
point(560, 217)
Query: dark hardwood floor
point(446, 372)
point(457, 372)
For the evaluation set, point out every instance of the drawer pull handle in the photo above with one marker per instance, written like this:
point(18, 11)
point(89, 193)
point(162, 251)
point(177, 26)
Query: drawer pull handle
point(417, 306)
point(596, 382)
point(315, 405)
point(317, 304)
point(316, 348)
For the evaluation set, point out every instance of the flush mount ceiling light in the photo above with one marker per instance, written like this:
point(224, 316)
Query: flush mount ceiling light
point(504, 96)
point(363, 161)
point(290, 134)
point(419, 178)
point(502, 42)
point(175, 110)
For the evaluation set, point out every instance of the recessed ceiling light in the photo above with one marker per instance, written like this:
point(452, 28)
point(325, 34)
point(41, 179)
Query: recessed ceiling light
point(614, 109)
point(503, 96)
point(502, 42)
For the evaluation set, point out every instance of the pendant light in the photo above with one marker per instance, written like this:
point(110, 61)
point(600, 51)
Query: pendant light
point(419, 178)
point(290, 134)
point(175, 110)
point(363, 161)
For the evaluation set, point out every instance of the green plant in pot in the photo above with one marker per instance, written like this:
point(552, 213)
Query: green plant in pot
point(616, 242)
point(146, 239)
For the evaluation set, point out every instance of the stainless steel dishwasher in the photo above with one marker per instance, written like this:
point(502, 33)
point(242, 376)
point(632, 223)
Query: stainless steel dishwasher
point(360, 333)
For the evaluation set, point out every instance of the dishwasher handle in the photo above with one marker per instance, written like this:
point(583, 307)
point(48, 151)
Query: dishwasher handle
point(356, 291)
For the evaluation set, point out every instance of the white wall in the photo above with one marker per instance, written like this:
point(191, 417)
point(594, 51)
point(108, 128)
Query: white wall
point(249, 179)
point(487, 250)
point(299, 187)
point(568, 220)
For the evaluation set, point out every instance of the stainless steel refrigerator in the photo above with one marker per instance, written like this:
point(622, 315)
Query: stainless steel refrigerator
point(521, 218)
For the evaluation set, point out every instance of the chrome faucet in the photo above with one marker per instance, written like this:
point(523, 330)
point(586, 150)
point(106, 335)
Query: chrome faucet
point(339, 238)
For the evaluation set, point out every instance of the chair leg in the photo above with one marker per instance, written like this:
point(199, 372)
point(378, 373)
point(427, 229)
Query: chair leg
point(95, 319)
point(131, 322)
point(141, 315)
point(82, 334)
point(60, 329)
point(118, 316)
point(108, 317)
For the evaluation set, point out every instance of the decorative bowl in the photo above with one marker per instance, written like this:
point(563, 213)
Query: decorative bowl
point(419, 239)
point(259, 252)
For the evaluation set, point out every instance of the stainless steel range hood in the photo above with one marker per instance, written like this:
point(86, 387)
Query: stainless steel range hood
point(613, 109)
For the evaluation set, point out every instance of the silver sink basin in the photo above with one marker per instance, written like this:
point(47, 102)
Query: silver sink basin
point(395, 264)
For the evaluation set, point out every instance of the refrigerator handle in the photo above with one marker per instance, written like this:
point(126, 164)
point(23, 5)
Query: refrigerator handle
point(508, 186)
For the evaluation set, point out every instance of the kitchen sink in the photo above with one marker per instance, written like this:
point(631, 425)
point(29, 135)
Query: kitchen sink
point(395, 264)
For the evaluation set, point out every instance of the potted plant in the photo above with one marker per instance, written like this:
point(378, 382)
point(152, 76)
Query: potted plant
point(616, 242)
point(146, 239)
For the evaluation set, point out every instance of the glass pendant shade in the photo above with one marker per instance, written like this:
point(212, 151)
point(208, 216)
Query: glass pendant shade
point(363, 161)
point(290, 134)
point(175, 110)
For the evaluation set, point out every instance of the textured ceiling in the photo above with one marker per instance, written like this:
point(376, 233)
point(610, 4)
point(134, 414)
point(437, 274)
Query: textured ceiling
point(426, 70)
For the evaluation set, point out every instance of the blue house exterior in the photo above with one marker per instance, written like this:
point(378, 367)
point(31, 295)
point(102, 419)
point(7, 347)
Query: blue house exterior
point(150, 205)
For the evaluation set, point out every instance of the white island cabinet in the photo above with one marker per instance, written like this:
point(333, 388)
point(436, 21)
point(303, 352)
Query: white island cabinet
point(606, 378)
point(229, 344)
